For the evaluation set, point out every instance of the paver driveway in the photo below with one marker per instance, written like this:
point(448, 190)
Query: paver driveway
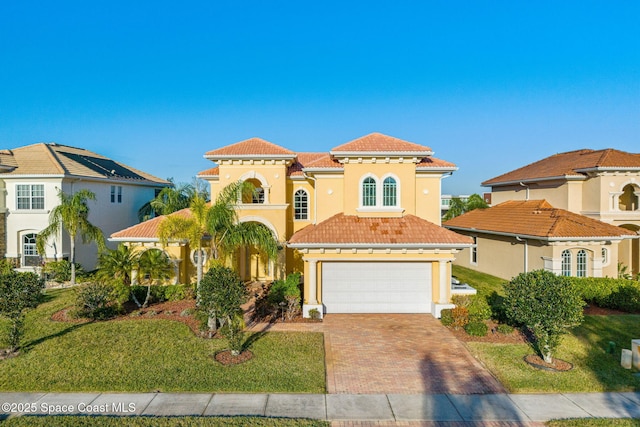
point(399, 353)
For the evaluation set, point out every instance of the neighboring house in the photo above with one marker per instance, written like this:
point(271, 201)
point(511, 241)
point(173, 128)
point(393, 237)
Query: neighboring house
point(445, 202)
point(600, 184)
point(361, 222)
point(519, 236)
point(31, 177)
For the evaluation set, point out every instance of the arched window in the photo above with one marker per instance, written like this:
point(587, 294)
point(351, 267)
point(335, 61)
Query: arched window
point(628, 200)
point(605, 256)
point(257, 195)
point(369, 192)
point(566, 262)
point(30, 256)
point(301, 205)
point(581, 267)
point(389, 192)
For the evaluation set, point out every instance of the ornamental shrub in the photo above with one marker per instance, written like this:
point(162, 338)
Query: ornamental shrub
point(221, 294)
point(460, 317)
point(19, 292)
point(96, 300)
point(446, 317)
point(476, 329)
point(504, 329)
point(606, 292)
point(546, 304)
point(60, 271)
point(479, 309)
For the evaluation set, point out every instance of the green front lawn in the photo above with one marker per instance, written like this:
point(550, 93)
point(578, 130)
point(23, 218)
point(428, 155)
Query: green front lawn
point(76, 421)
point(145, 355)
point(595, 422)
point(484, 283)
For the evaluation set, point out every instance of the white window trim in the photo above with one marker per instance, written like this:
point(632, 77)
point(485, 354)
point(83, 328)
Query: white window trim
point(473, 249)
point(562, 271)
point(379, 207)
point(31, 209)
point(308, 213)
point(586, 262)
point(605, 253)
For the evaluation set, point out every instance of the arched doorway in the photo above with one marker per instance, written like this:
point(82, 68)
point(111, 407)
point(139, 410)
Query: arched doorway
point(629, 251)
point(628, 200)
point(253, 264)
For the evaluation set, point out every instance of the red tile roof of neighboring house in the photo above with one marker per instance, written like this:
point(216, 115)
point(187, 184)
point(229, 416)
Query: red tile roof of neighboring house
point(534, 218)
point(344, 229)
point(250, 147)
point(379, 142)
point(432, 162)
point(569, 164)
point(148, 229)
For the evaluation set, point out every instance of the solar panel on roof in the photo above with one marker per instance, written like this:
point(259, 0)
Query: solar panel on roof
point(103, 166)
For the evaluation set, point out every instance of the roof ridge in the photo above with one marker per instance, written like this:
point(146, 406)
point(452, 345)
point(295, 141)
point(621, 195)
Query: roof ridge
point(55, 158)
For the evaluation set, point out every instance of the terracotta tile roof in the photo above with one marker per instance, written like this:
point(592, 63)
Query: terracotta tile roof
point(344, 229)
point(377, 142)
point(432, 162)
point(534, 218)
point(249, 147)
point(210, 172)
point(147, 229)
point(569, 164)
point(56, 159)
point(302, 160)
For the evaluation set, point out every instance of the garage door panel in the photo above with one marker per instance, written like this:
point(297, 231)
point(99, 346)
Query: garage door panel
point(376, 287)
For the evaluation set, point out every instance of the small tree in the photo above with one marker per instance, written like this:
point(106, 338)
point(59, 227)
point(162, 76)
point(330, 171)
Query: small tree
point(221, 295)
point(545, 303)
point(18, 293)
point(117, 264)
point(154, 266)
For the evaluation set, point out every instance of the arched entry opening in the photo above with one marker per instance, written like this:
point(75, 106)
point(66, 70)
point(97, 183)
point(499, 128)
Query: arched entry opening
point(629, 251)
point(253, 263)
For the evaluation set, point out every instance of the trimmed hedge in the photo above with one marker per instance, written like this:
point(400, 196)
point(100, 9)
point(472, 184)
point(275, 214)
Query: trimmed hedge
point(162, 293)
point(617, 294)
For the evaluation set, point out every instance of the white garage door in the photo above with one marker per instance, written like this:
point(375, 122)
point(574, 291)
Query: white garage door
point(376, 287)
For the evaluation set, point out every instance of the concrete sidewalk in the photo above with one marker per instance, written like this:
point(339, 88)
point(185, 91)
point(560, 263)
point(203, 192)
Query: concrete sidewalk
point(513, 408)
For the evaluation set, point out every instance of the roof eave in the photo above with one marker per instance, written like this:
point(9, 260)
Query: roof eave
point(420, 154)
point(549, 178)
point(436, 169)
point(534, 237)
point(379, 245)
point(215, 157)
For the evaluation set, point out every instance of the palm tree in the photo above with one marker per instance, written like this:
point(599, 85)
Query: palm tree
point(154, 266)
point(459, 206)
point(72, 214)
point(172, 199)
point(118, 263)
point(193, 229)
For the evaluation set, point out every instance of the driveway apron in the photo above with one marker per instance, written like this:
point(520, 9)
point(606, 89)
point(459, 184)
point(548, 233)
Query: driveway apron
point(399, 353)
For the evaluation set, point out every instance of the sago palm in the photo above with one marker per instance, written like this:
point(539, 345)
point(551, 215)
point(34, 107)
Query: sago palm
point(118, 264)
point(72, 215)
point(154, 266)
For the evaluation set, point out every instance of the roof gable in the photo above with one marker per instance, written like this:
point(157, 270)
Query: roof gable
point(380, 143)
point(147, 230)
point(252, 147)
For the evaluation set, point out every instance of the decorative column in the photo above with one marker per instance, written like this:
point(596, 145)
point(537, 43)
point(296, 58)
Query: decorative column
point(445, 285)
point(311, 302)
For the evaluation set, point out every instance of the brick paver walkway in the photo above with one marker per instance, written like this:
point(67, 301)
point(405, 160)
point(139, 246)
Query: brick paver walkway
point(399, 353)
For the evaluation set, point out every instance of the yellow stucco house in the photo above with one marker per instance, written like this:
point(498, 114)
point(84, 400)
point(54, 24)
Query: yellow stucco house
point(362, 222)
point(574, 213)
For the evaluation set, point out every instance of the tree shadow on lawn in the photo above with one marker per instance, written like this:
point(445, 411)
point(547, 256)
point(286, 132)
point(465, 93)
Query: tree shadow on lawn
point(253, 338)
point(31, 344)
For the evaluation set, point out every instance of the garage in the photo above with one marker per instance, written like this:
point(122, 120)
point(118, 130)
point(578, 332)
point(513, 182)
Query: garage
point(376, 287)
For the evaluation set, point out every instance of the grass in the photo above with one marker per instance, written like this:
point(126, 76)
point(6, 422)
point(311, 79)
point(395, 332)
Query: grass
point(595, 422)
point(594, 370)
point(102, 421)
point(484, 283)
point(146, 355)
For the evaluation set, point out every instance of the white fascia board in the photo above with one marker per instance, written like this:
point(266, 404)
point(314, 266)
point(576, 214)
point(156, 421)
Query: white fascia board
point(378, 154)
point(379, 245)
point(532, 237)
point(436, 169)
point(323, 170)
point(141, 182)
point(609, 169)
point(134, 239)
point(549, 178)
point(217, 159)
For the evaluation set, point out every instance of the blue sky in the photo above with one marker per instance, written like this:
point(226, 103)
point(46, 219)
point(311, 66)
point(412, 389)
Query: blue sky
point(490, 85)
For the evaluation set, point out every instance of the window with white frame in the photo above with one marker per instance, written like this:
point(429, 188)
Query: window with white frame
point(30, 257)
point(566, 263)
point(581, 263)
point(369, 192)
point(389, 192)
point(474, 251)
point(30, 196)
point(116, 194)
point(301, 205)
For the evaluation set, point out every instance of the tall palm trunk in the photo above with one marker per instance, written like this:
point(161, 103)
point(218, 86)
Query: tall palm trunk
point(73, 261)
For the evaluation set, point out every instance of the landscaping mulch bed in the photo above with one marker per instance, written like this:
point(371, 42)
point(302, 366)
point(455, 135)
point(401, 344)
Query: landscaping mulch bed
point(516, 337)
point(226, 358)
point(558, 365)
point(169, 310)
point(594, 310)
